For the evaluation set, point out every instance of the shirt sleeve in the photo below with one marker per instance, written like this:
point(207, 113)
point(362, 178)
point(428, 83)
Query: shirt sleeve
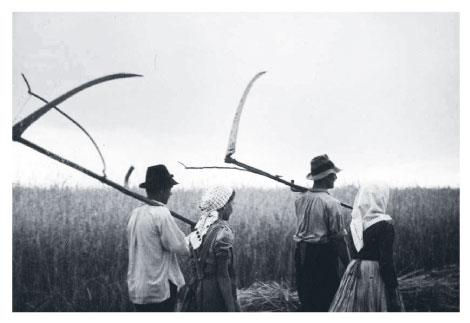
point(336, 228)
point(223, 244)
point(386, 265)
point(172, 237)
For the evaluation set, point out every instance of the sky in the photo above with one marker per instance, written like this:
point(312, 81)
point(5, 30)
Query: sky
point(377, 92)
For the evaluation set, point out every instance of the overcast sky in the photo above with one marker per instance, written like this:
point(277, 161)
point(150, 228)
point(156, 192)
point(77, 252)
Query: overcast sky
point(378, 93)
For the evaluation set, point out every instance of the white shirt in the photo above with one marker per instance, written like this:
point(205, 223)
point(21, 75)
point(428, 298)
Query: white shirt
point(154, 239)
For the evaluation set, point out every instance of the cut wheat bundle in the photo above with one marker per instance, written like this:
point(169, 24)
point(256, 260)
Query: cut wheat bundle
point(422, 291)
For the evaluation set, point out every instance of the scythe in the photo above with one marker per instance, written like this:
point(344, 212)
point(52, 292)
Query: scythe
point(233, 142)
point(21, 126)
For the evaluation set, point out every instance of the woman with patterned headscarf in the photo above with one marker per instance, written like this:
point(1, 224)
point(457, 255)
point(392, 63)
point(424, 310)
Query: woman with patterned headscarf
point(213, 287)
point(370, 283)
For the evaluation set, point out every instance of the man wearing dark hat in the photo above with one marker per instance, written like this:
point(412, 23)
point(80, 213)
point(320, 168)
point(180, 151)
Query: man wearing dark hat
point(153, 275)
point(320, 239)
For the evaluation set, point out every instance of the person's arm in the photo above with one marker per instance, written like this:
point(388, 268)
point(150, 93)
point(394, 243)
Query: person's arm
point(173, 239)
point(387, 267)
point(222, 250)
point(225, 286)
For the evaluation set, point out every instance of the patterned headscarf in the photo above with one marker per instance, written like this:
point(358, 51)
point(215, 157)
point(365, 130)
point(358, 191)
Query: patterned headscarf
point(369, 208)
point(213, 199)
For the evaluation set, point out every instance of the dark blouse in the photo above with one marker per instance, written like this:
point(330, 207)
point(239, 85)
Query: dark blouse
point(217, 245)
point(378, 245)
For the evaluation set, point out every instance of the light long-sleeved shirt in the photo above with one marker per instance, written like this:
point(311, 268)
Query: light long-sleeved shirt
point(318, 217)
point(154, 240)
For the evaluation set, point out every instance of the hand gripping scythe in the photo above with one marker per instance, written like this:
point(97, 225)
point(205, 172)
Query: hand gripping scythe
point(21, 126)
point(233, 142)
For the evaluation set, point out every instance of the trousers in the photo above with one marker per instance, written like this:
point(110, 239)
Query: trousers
point(317, 277)
point(167, 305)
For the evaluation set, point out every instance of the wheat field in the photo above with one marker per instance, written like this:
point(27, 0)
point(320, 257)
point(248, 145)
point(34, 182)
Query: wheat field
point(70, 249)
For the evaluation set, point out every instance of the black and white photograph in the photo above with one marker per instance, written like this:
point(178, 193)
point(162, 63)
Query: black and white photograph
point(235, 161)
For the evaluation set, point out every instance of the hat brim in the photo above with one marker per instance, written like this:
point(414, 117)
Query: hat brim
point(323, 174)
point(171, 181)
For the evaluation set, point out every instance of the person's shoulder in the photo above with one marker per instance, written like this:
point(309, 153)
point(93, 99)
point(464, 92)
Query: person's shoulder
point(381, 227)
point(225, 227)
point(328, 199)
point(159, 211)
point(306, 196)
point(224, 240)
point(322, 197)
point(138, 210)
point(388, 225)
point(225, 233)
point(385, 224)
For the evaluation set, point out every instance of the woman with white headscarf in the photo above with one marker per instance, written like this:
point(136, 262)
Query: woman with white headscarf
point(213, 286)
point(369, 283)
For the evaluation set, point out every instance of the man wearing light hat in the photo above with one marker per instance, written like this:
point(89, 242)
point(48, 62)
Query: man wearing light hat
point(320, 239)
point(154, 239)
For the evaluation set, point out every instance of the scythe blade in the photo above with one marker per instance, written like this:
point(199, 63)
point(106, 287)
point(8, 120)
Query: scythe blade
point(22, 125)
point(232, 142)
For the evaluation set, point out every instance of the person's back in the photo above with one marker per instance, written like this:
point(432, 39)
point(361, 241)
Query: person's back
point(152, 254)
point(317, 217)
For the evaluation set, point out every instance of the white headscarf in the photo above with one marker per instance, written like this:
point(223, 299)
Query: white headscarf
point(213, 199)
point(369, 208)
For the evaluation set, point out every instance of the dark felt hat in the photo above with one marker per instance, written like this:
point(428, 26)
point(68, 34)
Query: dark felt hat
point(320, 167)
point(157, 177)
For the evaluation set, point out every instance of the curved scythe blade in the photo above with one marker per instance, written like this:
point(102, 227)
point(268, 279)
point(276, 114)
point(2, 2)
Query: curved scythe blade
point(232, 142)
point(21, 126)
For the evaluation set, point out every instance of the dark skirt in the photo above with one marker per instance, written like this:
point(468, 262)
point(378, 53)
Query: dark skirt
point(205, 296)
point(362, 289)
